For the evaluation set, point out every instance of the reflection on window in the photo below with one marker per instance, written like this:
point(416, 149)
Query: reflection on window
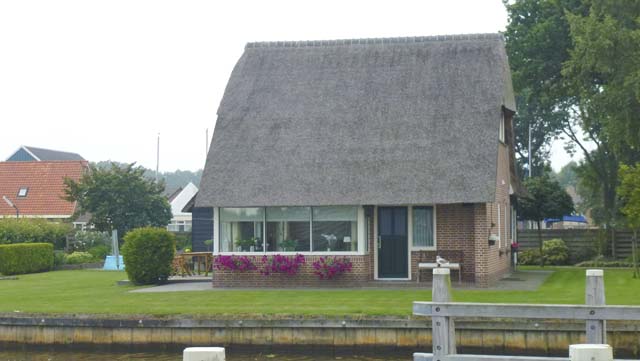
point(241, 229)
point(335, 229)
point(288, 229)
point(423, 227)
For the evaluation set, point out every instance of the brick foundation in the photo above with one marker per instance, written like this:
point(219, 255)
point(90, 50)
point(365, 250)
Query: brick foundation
point(304, 278)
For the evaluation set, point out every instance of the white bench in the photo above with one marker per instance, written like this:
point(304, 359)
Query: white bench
point(451, 266)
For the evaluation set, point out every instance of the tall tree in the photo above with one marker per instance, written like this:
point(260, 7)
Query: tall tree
point(603, 75)
point(629, 191)
point(545, 199)
point(538, 43)
point(119, 197)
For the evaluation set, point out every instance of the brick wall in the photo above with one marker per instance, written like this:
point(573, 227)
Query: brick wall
point(495, 261)
point(304, 278)
point(454, 240)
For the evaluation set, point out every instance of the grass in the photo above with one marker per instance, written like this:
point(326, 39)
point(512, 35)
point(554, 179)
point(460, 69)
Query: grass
point(95, 292)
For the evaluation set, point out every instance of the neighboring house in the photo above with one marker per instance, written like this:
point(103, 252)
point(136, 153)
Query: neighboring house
point(37, 188)
point(385, 151)
point(33, 154)
point(181, 221)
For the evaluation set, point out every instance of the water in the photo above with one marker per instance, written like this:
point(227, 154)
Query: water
point(232, 355)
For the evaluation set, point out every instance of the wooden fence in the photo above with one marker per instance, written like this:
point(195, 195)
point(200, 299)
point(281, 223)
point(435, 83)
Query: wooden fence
point(578, 241)
point(442, 312)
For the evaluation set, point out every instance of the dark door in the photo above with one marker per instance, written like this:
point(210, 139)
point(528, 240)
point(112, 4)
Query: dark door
point(392, 242)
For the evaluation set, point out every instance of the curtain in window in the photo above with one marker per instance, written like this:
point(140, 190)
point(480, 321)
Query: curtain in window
point(423, 226)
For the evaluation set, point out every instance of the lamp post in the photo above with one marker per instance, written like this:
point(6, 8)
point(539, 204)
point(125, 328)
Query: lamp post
point(12, 205)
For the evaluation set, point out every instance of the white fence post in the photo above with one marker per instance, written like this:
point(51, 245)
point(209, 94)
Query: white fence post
point(203, 354)
point(590, 353)
point(442, 328)
point(594, 296)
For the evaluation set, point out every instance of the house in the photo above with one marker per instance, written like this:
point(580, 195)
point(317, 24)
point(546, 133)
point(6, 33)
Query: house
point(385, 151)
point(181, 221)
point(33, 154)
point(36, 189)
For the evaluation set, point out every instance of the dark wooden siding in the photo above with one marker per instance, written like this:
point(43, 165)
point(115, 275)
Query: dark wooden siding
point(202, 228)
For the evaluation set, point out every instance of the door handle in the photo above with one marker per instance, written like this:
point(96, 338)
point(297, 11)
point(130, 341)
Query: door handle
point(379, 242)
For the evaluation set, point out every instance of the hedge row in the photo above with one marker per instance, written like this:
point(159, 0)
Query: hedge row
point(26, 258)
point(33, 231)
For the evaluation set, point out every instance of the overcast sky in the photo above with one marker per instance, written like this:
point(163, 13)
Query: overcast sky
point(103, 78)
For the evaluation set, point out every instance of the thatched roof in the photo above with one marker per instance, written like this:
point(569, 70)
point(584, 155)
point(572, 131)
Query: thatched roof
point(371, 121)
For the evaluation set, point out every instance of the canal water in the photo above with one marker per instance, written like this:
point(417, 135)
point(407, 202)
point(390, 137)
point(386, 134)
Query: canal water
point(231, 355)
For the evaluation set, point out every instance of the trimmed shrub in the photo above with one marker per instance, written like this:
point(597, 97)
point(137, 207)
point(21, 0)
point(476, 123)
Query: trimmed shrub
point(99, 252)
point(148, 253)
point(33, 231)
point(59, 259)
point(555, 252)
point(601, 263)
point(529, 257)
point(25, 258)
point(79, 258)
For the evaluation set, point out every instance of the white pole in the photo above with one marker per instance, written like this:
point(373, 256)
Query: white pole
point(206, 144)
point(529, 152)
point(157, 157)
point(203, 354)
point(590, 352)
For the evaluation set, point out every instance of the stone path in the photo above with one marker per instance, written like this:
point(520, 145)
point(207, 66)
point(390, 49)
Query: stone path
point(517, 281)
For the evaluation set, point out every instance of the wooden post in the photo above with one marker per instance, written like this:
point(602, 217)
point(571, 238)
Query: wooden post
point(203, 354)
point(590, 353)
point(442, 328)
point(594, 296)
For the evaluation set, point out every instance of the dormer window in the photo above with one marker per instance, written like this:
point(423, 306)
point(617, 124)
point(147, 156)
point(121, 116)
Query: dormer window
point(23, 192)
point(501, 135)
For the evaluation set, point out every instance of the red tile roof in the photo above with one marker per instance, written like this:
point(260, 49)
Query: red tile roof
point(44, 181)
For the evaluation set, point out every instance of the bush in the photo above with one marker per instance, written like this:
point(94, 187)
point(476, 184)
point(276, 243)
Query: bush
point(33, 231)
point(59, 259)
point(582, 254)
point(148, 253)
point(99, 252)
point(85, 240)
point(79, 258)
point(26, 258)
point(529, 257)
point(555, 252)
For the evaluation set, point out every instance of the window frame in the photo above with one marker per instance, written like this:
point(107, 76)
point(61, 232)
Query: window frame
point(360, 228)
point(26, 192)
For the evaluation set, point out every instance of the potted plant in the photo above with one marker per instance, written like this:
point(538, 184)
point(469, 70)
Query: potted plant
point(246, 244)
point(289, 245)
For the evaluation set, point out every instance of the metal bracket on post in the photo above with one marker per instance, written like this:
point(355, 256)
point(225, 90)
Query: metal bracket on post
point(442, 327)
point(594, 296)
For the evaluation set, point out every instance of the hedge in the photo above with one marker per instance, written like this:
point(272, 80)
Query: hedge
point(148, 253)
point(26, 258)
point(33, 231)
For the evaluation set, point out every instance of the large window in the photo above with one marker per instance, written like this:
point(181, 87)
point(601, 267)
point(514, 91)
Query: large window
point(423, 227)
point(241, 229)
point(288, 229)
point(335, 229)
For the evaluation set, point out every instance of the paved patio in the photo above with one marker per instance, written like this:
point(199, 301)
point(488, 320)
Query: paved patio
point(516, 281)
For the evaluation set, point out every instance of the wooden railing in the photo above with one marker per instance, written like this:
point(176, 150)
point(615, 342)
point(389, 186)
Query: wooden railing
point(442, 312)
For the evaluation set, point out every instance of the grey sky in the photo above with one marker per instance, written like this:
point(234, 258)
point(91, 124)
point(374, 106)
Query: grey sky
point(103, 78)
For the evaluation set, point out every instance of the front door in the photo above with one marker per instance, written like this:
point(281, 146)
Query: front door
point(393, 258)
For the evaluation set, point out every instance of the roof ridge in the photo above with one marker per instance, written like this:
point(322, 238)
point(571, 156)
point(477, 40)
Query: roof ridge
point(367, 41)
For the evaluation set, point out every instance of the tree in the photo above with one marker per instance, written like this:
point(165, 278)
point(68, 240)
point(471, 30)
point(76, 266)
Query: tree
point(545, 199)
point(119, 197)
point(538, 43)
point(629, 191)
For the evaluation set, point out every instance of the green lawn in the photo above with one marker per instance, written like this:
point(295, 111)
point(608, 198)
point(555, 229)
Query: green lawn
point(95, 292)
